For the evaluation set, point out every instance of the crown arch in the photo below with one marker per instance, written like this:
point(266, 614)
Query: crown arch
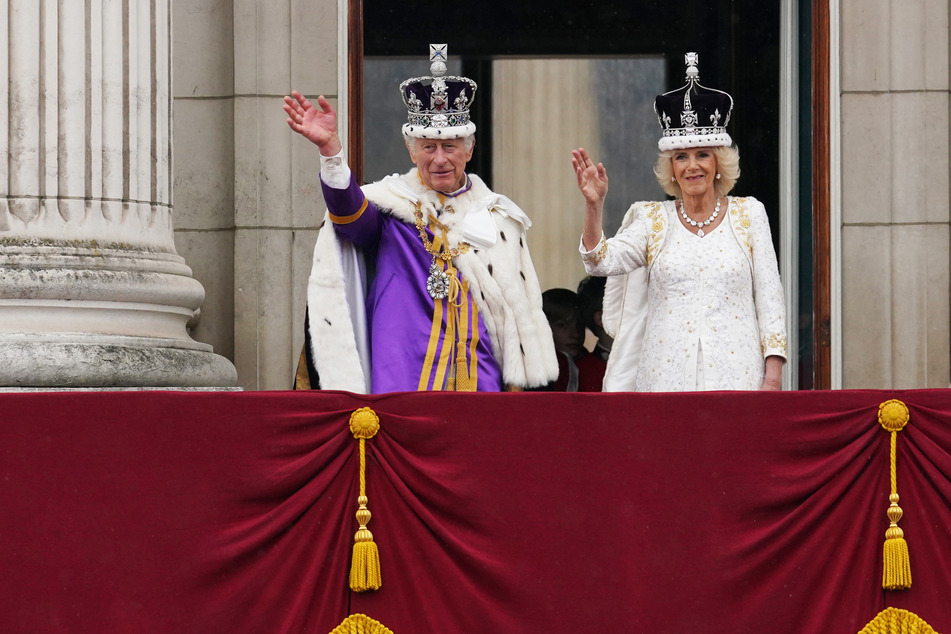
point(768, 57)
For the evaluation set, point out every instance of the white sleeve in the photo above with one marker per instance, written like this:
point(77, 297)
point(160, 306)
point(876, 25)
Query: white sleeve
point(624, 252)
point(334, 171)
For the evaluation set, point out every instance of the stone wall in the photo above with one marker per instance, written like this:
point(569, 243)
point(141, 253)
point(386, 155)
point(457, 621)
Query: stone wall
point(247, 195)
point(895, 191)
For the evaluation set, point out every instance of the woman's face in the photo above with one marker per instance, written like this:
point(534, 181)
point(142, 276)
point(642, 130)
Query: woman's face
point(695, 169)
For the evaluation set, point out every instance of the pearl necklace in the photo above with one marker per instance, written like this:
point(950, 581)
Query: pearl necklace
point(703, 223)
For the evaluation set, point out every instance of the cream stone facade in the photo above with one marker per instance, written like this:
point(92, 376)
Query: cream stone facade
point(247, 201)
point(894, 167)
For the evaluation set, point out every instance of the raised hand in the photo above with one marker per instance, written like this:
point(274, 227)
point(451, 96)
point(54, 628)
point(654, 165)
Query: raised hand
point(592, 178)
point(318, 125)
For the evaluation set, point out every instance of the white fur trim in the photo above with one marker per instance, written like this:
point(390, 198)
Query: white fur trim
point(429, 132)
point(337, 314)
point(694, 140)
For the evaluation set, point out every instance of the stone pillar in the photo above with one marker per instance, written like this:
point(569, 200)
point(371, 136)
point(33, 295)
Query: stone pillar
point(92, 291)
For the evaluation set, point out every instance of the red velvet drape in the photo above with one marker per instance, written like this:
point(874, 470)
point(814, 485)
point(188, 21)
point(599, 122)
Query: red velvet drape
point(234, 512)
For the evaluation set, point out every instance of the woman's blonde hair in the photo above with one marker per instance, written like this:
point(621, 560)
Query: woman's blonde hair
point(728, 167)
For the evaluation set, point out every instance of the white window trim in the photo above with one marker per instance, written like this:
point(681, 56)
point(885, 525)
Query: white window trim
point(789, 182)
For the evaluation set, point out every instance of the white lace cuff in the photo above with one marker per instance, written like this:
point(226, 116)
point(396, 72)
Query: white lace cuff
point(334, 171)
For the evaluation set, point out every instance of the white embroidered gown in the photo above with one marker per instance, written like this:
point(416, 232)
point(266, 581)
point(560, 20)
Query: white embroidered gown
point(714, 311)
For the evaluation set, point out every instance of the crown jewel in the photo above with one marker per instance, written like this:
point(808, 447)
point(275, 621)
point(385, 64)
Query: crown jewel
point(703, 113)
point(438, 105)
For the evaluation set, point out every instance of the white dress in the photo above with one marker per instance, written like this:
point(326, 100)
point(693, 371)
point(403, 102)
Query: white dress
point(714, 304)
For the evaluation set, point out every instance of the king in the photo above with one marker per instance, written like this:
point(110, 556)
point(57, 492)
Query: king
point(422, 281)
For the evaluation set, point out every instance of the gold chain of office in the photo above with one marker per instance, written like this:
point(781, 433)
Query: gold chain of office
point(445, 254)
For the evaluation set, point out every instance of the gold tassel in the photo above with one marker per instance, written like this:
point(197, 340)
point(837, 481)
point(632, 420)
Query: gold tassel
point(896, 569)
point(897, 621)
point(361, 624)
point(365, 567)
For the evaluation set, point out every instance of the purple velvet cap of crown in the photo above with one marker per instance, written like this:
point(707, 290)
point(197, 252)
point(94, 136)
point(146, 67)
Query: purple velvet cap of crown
point(438, 105)
point(693, 115)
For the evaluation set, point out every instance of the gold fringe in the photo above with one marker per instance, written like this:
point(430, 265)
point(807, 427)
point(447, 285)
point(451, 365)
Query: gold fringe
point(365, 566)
point(897, 621)
point(896, 573)
point(896, 564)
point(361, 624)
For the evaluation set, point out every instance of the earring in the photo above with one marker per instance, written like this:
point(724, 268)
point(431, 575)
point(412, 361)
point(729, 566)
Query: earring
point(673, 180)
point(718, 177)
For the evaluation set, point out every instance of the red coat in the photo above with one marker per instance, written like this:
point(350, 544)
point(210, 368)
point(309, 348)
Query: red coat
point(590, 373)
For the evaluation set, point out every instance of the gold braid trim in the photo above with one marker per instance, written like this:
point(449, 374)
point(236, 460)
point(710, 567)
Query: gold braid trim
point(365, 567)
point(897, 621)
point(361, 624)
point(896, 569)
point(345, 220)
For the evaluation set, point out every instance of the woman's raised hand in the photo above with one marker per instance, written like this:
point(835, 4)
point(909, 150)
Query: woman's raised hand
point(318, 125)
point(592, 178)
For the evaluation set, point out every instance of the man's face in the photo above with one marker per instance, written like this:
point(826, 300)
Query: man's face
point(441, 162)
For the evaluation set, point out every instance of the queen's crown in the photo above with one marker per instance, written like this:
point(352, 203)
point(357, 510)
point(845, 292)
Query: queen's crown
point(694, 115)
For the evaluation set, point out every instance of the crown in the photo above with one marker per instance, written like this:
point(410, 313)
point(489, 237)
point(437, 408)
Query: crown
point(693, 116)
point(438, 105)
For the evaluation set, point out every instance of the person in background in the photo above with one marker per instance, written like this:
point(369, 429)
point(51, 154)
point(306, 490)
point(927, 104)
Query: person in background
point(578, 369)
point(591, 294)
point(714, 317)
point(422, 281)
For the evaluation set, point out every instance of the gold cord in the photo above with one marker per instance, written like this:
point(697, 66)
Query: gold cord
point(896, 569)
point(365, 567)
point(459, 378)
point(444, 254)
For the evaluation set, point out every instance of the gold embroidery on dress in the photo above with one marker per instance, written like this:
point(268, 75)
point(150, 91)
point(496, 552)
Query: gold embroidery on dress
point(596, 257)
point(774, 342)
point(658, 218)
point(740, 218)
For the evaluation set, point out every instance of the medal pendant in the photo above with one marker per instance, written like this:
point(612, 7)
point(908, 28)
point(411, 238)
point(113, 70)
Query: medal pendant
point(437, 284)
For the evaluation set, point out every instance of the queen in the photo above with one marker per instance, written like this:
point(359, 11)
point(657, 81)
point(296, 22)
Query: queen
point(693, 297)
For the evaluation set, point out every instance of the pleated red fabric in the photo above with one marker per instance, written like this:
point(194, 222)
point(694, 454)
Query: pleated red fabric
point(701, 512)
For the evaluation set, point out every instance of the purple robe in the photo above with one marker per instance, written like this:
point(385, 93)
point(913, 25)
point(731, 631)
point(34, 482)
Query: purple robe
point(400, 311)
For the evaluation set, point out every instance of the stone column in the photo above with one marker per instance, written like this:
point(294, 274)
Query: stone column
point(92, 291)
